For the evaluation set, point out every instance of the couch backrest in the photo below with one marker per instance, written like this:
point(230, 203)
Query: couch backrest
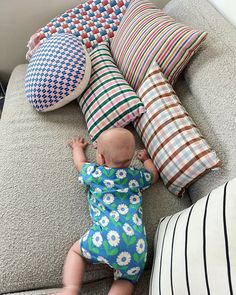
point(227, 8)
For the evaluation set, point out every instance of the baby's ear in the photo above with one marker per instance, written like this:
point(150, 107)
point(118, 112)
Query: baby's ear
point(102, 159)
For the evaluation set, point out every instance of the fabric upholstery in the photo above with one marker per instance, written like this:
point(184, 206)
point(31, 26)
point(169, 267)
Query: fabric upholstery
point(195, 249)
point(146, 34)
point(44, 210)
point(211, 78)
point(35, 237)
point(100, 287)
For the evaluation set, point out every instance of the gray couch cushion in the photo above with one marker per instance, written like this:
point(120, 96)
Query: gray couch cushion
point(211, 78)
point(43, 209)
point(100, 287)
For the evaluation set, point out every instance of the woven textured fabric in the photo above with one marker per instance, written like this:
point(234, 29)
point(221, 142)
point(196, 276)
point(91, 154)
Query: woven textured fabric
point(109, 101)
point(93, 22)
point(195, 249)
point(172, 139)
point(146, 34)
point(58, 72)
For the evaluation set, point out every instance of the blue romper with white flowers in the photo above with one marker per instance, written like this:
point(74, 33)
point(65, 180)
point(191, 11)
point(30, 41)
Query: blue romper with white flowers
point(118, 236)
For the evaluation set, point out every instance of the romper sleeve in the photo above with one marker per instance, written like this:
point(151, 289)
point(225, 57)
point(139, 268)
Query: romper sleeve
point(146, 178)
point(86, 173)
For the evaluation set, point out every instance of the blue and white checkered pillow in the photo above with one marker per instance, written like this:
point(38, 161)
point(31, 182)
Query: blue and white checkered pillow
point(57, 73)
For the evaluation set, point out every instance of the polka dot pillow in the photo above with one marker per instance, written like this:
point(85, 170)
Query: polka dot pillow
point(58, 73)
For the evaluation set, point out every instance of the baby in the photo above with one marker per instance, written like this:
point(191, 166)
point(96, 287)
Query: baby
point(117, 237)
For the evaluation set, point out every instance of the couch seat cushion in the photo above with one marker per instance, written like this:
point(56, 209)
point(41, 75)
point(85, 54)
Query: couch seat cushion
point(43, 209)
point(99, 287)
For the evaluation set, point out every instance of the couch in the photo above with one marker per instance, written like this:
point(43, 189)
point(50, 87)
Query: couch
point(43, 211)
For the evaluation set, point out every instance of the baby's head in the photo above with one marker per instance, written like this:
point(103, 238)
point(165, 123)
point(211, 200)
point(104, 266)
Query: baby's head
point(115, 148)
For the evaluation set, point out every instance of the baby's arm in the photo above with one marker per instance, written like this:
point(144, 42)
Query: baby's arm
point(144, 157)
point(78, 147)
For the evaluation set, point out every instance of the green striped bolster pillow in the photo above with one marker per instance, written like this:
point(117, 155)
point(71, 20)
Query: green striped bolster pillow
point(146, 34)
point(195, 249)
point(108, 101)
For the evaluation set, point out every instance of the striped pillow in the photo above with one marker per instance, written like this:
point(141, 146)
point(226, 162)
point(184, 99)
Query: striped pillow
point(172, 139)
point(146, 34)
point(195, 250)
point(108, 101)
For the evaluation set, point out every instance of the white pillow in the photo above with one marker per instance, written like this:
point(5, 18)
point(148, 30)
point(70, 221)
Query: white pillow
point(195, 249)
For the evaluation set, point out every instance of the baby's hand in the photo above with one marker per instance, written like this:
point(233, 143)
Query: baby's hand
point(77, 142)
point(143, 156)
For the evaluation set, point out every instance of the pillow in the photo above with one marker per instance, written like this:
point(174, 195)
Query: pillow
point(93, 22)
point(195, 250)
point(58, 72)
point(211, 79)
point(146, 34)
point(108, 101)
point(176, 146)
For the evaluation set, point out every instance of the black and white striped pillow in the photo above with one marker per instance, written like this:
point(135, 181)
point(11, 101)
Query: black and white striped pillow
point(195, 249)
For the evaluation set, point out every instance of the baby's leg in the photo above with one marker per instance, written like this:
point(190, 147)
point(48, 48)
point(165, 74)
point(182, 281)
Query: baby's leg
point(73, 270)
point(123, 287)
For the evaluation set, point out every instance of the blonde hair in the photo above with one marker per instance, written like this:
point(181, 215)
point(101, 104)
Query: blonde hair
point(117, 145)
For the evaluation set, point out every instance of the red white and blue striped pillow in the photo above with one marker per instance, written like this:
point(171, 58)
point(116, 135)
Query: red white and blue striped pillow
point(108, 101)
point(172, 139)
point(146, 34)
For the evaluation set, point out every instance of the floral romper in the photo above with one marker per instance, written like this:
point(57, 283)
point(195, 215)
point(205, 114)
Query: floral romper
point(117, 237)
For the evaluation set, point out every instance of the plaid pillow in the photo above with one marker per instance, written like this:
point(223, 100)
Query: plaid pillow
point(93, 22)
point(176, 146)
point(146, 34)
point(109, 101)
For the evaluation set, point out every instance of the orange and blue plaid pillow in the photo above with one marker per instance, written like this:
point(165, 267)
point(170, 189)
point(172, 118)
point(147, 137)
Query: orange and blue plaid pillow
point(172, 139)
